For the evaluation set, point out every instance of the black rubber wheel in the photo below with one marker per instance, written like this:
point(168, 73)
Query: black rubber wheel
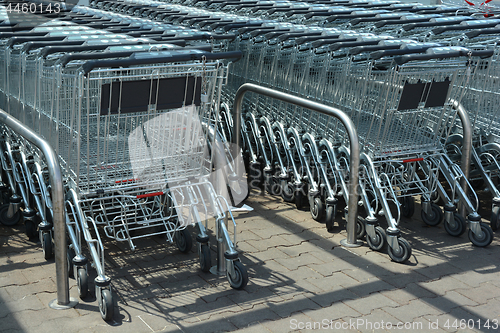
point(47, 245)
point(459, 228)
point(183, 240)
point(299, 199)
point(486, 238)
point(9, 221)
point(495, 218)
point(434, 217)
point(408, 206)
point(31, 229)
point(241, 279)
point(70, 256)
point(82, 282)
point(317, 209)
point(205, 258)
point(330, 217)
point(360, 228)
point(273, 187)
point(379, 242)
point(106, 306)
point(287, 192)
point(405, 251)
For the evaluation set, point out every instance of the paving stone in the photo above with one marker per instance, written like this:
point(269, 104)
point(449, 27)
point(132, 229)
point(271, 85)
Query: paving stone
point(216, 323)
point(445, 321)
point(367, 304)
point(486, 311)
point(272, 253)
point(288, 307)
point(405, 295)
point(10, 323)
point(248, 300)
point(302, 273)
point(30, 302)
point(474, 278)
point(203, 310)
point(336, 294)
point(302, 260)
point(481, 294)
point(335, 311)
point(402, 280)
point(336, 265)
point(369, 287)
point(290, 324)
point(438, 271)
point(15, 277)
point(258, 313)
point(271, 242)
point(334, 280)
point(414, 309)
point(17, 292)
point(450, 300)
point(254, 328)
point(443, 285)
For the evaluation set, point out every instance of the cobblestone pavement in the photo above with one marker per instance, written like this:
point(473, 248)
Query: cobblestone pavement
point(301, 279)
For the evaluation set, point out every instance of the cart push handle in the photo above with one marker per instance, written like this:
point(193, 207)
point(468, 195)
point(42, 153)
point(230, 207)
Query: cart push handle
point(476, 33)
point(34, 45)
point(172, 57)
point(443, 52)
point(459, 27)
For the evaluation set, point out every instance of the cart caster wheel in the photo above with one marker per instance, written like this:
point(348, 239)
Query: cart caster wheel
point(70, 256)
point(360, 228)
point(459, 228)
point(106, 306)
point(82, 282)
point(241, 278)
point(183, 240)
point(495, 218)
point(330, 217)
point(434, 217)
point(299, 199)
point(379, 241)
point(408, 206)
point(317, 209)
point(404, 251)
point(205, 258)
point(486, 238)
point(31, 229)
point(287, 193)
point(273, 187)
point(9, 221)
point(47, 245)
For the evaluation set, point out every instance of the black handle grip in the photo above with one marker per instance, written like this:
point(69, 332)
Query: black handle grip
point(259, 32)
point(452, 53)
point(476, 33)
point(326, 41)
point(232, 26)
point(303, 40)
point(389, 53)
point(298, 35)
point(411, 26)
point(373, 48)
point(383, 23)
point(460, 27)
point(19, 40)
point(179, 57)
point(34, 45)
point(343, 45)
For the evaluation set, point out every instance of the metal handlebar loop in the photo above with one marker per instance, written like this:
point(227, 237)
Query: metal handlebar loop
point(63, 300)
point(351, 240)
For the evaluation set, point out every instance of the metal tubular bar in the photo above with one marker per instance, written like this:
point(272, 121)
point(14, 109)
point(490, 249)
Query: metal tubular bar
point(317, 107)
point(57, 194)
point(466, 147)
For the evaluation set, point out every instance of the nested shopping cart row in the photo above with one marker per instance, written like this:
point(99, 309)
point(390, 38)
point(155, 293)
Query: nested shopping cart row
point(397, 120)
point(132, 122)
